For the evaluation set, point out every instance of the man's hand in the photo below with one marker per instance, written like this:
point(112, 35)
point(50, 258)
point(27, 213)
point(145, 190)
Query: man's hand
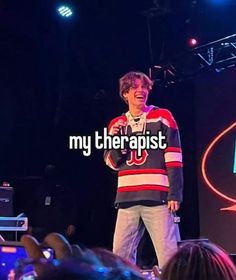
point(173, 205)
point(117, 126)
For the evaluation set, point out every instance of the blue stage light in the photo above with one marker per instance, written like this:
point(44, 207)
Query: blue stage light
point(220, 2)
point(65, 11)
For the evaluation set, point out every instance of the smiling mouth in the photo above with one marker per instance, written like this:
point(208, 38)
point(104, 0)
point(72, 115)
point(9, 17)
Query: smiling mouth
point(140, 97)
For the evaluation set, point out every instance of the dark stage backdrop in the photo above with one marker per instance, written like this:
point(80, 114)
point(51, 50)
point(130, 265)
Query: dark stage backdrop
point(216, 136)
point(61, 78)
point(93, 183)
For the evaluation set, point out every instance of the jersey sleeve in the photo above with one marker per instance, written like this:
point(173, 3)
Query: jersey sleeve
point(173, 159)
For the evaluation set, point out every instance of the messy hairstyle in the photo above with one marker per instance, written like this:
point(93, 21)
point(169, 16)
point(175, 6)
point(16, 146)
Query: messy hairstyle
point(202, 260)
point(127, 81)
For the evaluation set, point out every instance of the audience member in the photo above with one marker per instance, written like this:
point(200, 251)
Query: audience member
point(199, 261)
point(74, 263)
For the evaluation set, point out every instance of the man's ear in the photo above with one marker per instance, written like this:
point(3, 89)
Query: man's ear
point(125, 96)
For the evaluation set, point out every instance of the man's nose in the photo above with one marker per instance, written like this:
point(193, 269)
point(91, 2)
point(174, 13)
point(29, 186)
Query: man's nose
point(140, 88)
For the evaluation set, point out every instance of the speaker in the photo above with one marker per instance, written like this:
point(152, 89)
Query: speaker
point(6, 208)
point(6, 201)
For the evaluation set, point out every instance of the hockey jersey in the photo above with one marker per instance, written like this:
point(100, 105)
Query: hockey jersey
point(155, 174)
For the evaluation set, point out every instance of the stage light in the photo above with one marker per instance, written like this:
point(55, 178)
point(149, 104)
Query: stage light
point(192, 42)
point(65, 11)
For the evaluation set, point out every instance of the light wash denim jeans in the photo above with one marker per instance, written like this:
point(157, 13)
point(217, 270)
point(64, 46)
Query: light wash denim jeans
point(160, 225)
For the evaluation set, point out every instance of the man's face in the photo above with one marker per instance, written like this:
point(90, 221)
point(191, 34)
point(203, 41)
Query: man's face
point(137, 94)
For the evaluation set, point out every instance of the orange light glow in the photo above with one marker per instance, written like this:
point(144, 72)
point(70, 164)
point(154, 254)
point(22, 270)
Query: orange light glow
point(203, 164)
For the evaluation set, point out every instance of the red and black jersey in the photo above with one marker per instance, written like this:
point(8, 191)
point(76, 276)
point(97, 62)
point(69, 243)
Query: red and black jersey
point(156, 174)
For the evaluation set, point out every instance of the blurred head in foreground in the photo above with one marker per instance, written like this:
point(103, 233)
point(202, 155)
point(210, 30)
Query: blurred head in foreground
point(202, 260)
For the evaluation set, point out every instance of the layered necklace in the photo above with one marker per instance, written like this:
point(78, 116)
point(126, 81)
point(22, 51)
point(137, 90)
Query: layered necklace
point(138, 123)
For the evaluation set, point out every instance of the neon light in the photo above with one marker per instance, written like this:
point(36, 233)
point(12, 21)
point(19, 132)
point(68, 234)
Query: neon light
point(204, 159)
point(234, 169)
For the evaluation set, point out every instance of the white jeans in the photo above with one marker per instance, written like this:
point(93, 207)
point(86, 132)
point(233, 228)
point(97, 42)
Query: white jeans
point(160, 225)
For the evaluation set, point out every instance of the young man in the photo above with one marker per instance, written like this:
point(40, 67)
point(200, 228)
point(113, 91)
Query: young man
point(150, 184)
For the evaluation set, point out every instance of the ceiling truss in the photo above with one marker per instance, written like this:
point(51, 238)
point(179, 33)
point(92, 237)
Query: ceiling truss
point(215, 56)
